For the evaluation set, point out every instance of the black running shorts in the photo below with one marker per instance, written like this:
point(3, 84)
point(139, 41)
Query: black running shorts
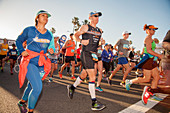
point(68, 59)
point(87, 60)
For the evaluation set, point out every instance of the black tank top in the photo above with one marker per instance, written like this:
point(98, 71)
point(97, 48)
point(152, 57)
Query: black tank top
point(94, 35)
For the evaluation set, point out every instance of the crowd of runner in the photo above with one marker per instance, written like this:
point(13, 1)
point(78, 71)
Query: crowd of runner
point(93, 57)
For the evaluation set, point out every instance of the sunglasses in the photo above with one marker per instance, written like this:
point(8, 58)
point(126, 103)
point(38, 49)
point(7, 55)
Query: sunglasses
point(152, 29)
point(95, 16)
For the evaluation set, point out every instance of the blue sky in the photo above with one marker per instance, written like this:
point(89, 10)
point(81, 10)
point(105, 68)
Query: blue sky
point(118, 16)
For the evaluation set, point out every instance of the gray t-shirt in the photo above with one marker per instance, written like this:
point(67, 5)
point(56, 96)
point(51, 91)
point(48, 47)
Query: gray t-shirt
point(122, 44)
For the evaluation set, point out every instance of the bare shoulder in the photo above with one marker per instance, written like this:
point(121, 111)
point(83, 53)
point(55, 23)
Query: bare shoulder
point(84, 28)
point(148, 39)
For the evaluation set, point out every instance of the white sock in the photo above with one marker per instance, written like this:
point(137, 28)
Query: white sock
point(77, 82)
point(92, 90)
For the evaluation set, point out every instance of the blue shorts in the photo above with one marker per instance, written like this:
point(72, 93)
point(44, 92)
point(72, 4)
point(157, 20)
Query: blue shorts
point(122, 60)
point(54, 61)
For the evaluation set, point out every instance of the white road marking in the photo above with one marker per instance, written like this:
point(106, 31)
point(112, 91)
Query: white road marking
point(139, 107)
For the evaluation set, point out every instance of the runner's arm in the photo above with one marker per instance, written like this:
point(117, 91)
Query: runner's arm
point(82, 30)
point(21, 38)
point(65, 45)
point(148, 42)
point(115, 47)
point(51, 47)
point(102, 41)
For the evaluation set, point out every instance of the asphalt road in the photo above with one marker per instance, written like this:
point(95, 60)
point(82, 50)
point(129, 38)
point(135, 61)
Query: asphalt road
point(54, 96)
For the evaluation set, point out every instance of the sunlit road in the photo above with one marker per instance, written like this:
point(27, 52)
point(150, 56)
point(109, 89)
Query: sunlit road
point(54, 96)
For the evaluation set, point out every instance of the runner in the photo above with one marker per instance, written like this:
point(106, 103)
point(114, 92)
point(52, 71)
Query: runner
point(123, 48)
point(35, 65)
point(99, 67)
point(3, 53)
point(54, 58)
point(13, 54)
point(106, 58)
point(69, 56)
point(78, 58)
point(91, 35)
point(166, 67)
point(148, 64)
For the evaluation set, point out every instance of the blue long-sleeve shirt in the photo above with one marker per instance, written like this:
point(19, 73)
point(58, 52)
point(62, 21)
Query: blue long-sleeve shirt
point(105, 56)
point(35, 41)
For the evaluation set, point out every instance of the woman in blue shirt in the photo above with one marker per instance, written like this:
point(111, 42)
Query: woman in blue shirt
point(106, 58)
point(35, 62)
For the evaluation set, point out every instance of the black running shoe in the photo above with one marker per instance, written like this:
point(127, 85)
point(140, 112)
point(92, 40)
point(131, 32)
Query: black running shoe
point(97, 106)
point(109, 81)
point(70, 91)
point(22, 107)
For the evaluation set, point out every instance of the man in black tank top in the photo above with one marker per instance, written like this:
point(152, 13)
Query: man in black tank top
point(91, 38)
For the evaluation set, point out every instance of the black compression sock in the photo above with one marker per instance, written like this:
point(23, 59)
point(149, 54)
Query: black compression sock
point(93, 101)
point(72, 87)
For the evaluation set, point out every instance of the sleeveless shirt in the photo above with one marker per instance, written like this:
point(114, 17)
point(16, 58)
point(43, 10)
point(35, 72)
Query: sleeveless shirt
point(94, 35)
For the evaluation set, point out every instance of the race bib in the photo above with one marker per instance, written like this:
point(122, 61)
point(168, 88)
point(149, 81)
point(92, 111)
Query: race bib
point(72, 50)
point(125, 46)
point(95, 58)
point(13, 53)
point(4, 49)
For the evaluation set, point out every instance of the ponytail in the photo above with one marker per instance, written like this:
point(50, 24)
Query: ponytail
point(145, 27)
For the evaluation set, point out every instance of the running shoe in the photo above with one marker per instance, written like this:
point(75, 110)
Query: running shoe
point(73, 78)
point(60, 75)
point(12, 73)
point(99, 89)
point(70, 91)
point(155, 97)
point(109, 81)
point(50, 80)
point(122, 83)
point(22, 107)
point(145, 95)
point(127, 84)
point(97, 106)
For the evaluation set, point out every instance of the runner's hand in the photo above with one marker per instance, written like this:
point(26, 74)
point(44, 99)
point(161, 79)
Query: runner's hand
point(85, 42)
point(51, 51)
point(24, 53)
